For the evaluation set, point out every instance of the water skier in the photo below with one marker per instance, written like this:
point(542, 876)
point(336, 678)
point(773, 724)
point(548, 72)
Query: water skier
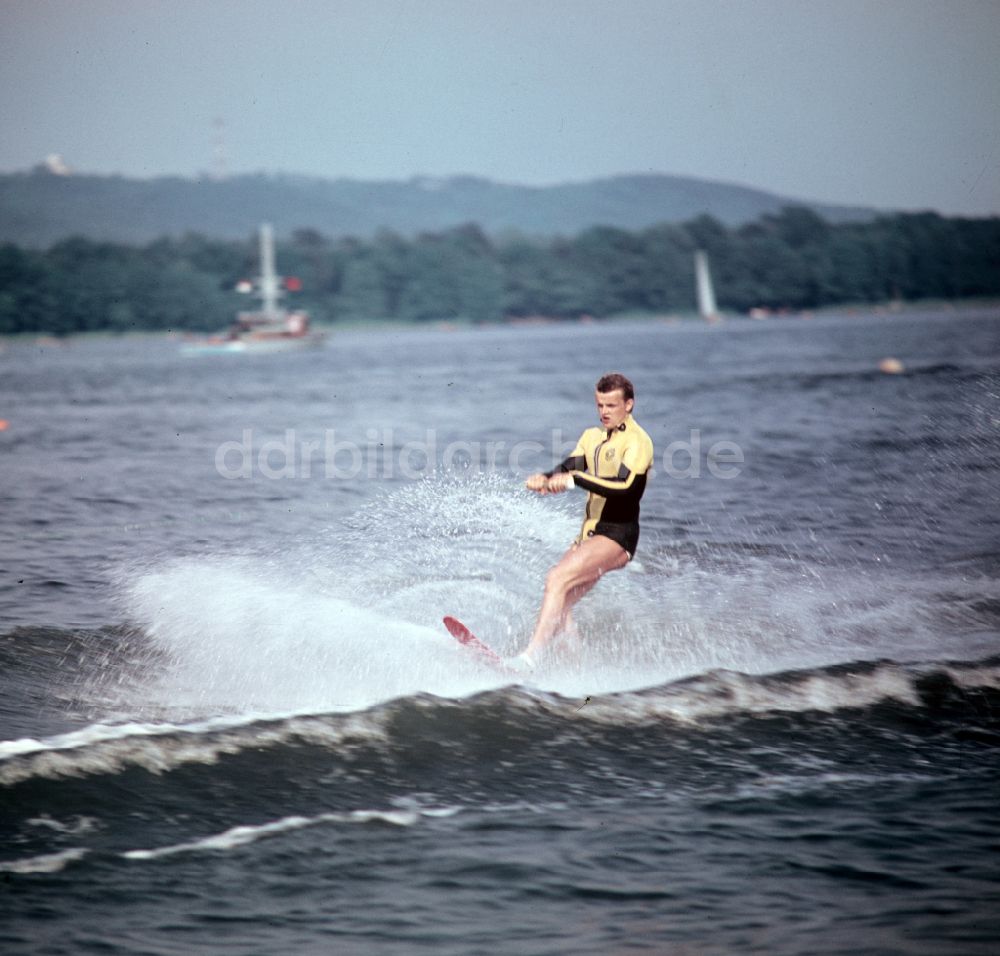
point(611, 463)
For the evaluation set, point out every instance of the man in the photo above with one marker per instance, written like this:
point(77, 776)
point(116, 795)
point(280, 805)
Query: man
point(611, 463)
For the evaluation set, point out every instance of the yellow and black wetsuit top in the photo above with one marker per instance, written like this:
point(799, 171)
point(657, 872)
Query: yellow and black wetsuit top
point(612, 466)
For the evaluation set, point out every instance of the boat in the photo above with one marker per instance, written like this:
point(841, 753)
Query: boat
point(703, 288)
point(271, 328)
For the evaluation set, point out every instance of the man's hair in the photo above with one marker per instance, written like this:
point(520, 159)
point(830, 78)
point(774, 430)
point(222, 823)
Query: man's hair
point(614, 380)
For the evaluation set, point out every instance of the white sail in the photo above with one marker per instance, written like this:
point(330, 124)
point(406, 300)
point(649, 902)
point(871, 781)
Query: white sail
point(703, 285)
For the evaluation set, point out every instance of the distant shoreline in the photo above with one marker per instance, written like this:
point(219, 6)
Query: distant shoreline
point(854, 310)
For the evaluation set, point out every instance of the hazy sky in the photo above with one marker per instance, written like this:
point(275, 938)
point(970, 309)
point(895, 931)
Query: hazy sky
point(891, 103)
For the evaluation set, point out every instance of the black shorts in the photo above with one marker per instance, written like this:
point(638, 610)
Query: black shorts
point(627, 535)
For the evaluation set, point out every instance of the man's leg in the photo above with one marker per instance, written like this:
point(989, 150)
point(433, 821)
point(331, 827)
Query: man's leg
point(577, 572)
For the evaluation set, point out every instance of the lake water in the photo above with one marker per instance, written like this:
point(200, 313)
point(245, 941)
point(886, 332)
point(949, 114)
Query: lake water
point(231, 720)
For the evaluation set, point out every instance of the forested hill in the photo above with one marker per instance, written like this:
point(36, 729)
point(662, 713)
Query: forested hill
point(794, 260)
point(38, 208)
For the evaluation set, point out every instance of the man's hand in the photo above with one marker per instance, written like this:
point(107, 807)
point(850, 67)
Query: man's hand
point(549, 486)
point(537, 483)
point(559, 482)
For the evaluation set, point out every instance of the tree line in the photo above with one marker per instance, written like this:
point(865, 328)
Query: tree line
point(792, 260)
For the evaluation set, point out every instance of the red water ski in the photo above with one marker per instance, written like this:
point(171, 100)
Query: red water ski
point(464, 636)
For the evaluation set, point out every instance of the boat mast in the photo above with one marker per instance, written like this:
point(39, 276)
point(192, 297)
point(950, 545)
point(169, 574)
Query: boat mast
point(269, 288)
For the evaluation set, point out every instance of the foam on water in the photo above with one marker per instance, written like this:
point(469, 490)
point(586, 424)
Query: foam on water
point(44, 863)
point(241, 836)
point(231, 839)
point(238, 638)
point(717, 699)
point(352, 617)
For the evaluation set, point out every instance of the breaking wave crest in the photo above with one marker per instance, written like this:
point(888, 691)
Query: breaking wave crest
point(716, 701)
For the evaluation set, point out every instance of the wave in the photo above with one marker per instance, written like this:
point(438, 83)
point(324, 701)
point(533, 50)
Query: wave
point(717, 701)
point(351, 617)
point(44, 862)
point(230, 839)
point(243, 835)
point(146, 792)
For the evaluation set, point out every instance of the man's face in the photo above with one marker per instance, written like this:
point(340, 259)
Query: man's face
point(612, 407)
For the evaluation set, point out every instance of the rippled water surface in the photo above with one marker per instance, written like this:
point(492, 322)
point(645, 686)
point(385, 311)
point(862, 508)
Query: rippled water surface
point(231, 721)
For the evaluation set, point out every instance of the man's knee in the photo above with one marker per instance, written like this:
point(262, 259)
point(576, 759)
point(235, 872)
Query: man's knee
point(555, 580)
point(559, 579)
point(563, 579)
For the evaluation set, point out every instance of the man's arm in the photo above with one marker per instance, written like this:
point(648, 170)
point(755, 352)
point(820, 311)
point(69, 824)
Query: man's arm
point(621, 484)
point(575, 462)
point(559, 478)
point(636, 460)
